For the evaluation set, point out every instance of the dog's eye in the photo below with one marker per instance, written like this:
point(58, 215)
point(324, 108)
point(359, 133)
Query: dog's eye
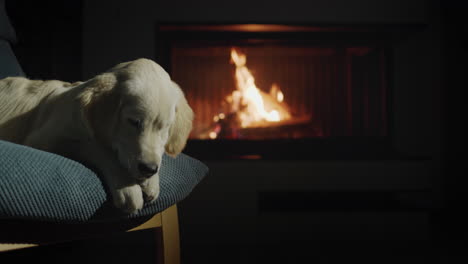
point(135, 123)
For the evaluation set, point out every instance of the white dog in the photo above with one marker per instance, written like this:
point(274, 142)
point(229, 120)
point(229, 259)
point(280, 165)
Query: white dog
point(119, 122)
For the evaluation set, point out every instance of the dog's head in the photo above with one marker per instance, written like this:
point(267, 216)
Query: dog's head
point(138, 113)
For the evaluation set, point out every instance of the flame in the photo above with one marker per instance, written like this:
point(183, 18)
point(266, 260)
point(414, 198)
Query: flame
point(250, 105)
point(275, 92)
point(280, 96)
point(213, 135)
point(249, 96)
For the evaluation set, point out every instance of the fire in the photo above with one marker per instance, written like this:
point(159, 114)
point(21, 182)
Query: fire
point(280, 97)
point(213, 135)
point(275, 92)
point(251, 106)
point(249, 100)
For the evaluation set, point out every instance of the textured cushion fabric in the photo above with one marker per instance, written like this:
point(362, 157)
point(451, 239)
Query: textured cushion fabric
point(37, 185)
point(8, 64)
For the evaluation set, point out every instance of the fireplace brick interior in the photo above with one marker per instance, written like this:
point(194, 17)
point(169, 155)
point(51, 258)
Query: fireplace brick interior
point(331, 88)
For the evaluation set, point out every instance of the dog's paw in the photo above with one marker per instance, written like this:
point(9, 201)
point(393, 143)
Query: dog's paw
point(129, 198)
point(150, 188)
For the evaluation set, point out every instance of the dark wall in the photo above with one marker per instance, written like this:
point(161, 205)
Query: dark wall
point(121, 30)
point(455, 53)
point(90, 36)
point(126, 32)
point(49, 38)
point(224, 212)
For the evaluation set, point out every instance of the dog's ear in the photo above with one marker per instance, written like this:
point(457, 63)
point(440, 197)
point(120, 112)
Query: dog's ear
point(92, 93)
point(180, 129)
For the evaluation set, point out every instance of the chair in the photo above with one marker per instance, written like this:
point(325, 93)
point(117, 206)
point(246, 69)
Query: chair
point(39, 207)
point(165, 225)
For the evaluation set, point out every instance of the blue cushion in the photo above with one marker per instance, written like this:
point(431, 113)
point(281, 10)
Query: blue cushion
point(37, 185)
point(8, 64)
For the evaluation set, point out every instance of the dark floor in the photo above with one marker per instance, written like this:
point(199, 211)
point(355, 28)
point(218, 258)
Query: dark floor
point(134, 247)
point(324, 252)
point(139, 247)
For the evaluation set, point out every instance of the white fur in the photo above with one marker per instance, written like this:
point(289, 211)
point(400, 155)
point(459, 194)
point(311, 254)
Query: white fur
point(94, 122)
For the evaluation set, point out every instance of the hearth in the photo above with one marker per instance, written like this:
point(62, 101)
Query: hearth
point(282, 91)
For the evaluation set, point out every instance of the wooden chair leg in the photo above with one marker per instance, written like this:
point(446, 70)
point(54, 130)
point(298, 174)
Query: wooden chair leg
point(170, 235)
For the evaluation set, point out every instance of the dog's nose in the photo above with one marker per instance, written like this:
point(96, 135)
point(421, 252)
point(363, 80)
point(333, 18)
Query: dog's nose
point(147, 170)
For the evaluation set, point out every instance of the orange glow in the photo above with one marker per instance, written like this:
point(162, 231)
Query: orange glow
point(250, 107)
point(279, 97)
point(275, 92)
point(253, 105)
point(213, 135)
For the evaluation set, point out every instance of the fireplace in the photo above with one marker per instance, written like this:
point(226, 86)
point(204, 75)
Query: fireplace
point(282, 91)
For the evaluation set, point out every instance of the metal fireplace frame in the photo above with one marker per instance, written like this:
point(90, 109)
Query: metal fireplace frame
point(344, 148)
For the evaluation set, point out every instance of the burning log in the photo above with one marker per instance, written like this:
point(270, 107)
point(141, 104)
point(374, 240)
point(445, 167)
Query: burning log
point(249, 108)
point(291, 128)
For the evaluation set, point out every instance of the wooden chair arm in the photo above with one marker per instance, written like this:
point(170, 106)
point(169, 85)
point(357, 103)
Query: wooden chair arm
point(166, 221)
